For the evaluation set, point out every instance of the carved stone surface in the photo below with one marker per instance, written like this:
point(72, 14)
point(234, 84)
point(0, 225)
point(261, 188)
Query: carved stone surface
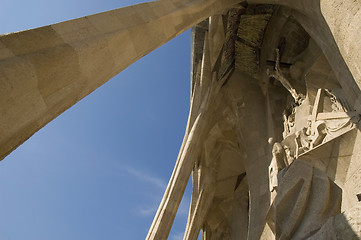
point(287, 70)
point(306, 199)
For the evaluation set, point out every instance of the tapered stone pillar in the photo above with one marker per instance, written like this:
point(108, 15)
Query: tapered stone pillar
point(200, 119)
point(45, 71)
point(204, 201)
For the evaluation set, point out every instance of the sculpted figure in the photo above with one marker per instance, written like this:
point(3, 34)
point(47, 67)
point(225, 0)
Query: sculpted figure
point(278, 162)
point(303, 141)
point(300, 208)
point(277, 74)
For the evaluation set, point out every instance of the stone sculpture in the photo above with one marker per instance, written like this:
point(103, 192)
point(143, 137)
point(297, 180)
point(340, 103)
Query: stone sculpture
point(306, 95)
point(279, 161)
point(300, 207)
point(277, 74)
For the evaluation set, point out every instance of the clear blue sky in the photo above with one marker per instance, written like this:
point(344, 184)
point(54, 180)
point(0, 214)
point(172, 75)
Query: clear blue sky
point(99, 170)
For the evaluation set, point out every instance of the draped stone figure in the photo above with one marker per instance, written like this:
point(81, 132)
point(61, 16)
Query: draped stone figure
point(305, 200)
point(278, 162)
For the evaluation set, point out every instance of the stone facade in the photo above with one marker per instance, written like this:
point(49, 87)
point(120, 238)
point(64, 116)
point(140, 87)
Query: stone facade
point(273, 137)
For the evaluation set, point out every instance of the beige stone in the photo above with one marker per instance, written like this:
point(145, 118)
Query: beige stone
point(282, 69)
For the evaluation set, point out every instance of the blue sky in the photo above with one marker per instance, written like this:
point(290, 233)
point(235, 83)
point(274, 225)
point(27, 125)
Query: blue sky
point(99, 170)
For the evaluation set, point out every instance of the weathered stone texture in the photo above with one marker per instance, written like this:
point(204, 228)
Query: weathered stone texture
point(273, 138)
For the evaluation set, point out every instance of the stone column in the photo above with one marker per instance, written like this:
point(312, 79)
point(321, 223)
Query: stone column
point(240, 212)
point(45, 71)
point(199, 122)
point(251, 130)
point(204, 201)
